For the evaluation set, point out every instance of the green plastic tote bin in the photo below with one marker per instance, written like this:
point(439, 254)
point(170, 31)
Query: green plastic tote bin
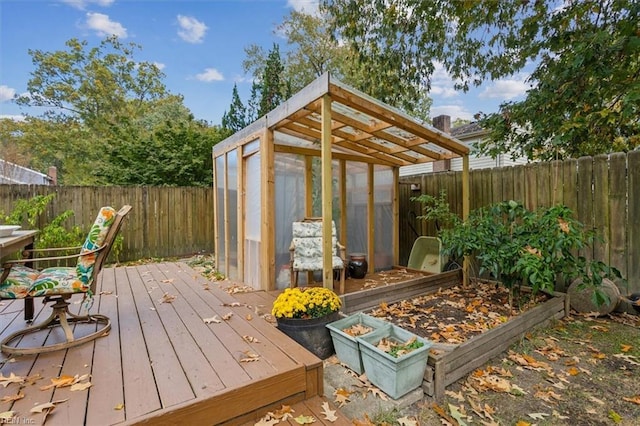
point(394, 376)
point(346, 346)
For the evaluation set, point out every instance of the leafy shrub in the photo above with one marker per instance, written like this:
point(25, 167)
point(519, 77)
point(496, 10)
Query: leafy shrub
point(517, 246)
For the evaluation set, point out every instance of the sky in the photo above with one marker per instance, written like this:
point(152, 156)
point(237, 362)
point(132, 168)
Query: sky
point(198, 44)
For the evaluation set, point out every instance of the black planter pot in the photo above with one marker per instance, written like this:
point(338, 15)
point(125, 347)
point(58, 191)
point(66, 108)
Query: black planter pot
point(311, 333)
point(358, 265)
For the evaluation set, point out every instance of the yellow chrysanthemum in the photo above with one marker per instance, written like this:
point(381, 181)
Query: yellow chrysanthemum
point(306, 302)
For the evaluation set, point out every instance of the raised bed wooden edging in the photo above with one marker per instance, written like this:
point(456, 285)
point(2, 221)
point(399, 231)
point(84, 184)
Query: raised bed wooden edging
point(454, 362)
point(370, 298)
point(448, 363)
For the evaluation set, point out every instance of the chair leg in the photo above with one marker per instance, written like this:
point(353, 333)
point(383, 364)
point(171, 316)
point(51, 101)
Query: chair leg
point(60, 316)
point(342, 278)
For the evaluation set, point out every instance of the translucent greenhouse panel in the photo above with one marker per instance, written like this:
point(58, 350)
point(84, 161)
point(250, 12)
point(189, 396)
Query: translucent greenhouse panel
point(356, 208)
point(221, 255)
point(316, 196)
point(232, 213)
point(289, 208)
point(383, 217)
point(253, 216)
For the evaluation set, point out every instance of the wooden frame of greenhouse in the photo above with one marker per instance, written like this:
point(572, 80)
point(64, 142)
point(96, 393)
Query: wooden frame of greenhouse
point(329, 151)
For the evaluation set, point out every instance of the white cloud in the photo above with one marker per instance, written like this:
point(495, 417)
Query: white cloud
point(192, 30)
point(82, 4)
point(6, 93)
point(13, 117)
point(159, 65)
point(441, 82)
point(309, 7)
point(453, 111)
point(506, 89)
point(104, 26)
point(210, 74)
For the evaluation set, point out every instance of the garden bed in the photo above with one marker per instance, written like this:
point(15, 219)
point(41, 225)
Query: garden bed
point(454, 356)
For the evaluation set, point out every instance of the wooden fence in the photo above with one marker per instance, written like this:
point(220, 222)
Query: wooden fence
point(603, 191)
point(164, 221)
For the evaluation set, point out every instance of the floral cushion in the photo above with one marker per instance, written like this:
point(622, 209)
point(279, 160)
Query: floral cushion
point(95, 239)
point(59, 280)
point(307, 247)
point(18, 282)
point(23, 281)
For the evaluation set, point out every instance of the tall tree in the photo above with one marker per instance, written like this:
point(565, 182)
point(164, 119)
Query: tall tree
point(313, 50)
point(272, 84)
point(585, 89)
point(236, 118)
point(109, 119)
point(99, 85)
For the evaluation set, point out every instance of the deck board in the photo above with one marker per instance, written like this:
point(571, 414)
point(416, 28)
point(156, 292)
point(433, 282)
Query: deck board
point(106, 371)
point(161, 363)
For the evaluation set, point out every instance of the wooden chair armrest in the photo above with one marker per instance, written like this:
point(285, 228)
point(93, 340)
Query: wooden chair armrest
point(42, 259)
point(46, 250)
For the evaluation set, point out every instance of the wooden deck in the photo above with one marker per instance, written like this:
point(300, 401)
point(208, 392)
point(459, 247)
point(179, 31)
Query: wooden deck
point(161, 363)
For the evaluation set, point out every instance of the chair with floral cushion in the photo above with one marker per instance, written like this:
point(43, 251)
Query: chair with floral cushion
point(306, 250)
point(57, 284)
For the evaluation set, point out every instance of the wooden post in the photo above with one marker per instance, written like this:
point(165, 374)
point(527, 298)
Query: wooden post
point(343, 203)
point(395, 215)
point(225, 191)
point(466, 202)
point(308, 185)
point(267, 199)
point(371, 219)
point(327, 197)
point(216, 237)
point(240, 182)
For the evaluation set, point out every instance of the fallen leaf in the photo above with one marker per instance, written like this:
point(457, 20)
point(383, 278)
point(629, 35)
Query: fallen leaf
point(249, 357)
point(635, 399)
point(250, 339)
point(625, 348)
point(377, 393)
point(248, 317)
point(5, 381)
point(40, 408)
point(167, 298)
point(456, 414)
point(60, 382)
point(342, 396)
point(119, 406)
point(615, 416)
point(80, 386)
point(213, 319)
point(11, 398)
point(6, 416)
point(538, 416)
point(168, 281)
point(304, 420)
point(267, 421)
point(407, 421)
point(328, 413)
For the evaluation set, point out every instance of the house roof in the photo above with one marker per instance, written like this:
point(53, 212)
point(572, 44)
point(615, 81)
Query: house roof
point(468, 129)
point(11, 173)
point(362, 128)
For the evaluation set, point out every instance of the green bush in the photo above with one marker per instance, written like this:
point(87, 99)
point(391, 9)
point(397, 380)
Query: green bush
point(517, 246)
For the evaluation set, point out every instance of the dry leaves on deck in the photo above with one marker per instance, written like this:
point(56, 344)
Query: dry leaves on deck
point(64, 381)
